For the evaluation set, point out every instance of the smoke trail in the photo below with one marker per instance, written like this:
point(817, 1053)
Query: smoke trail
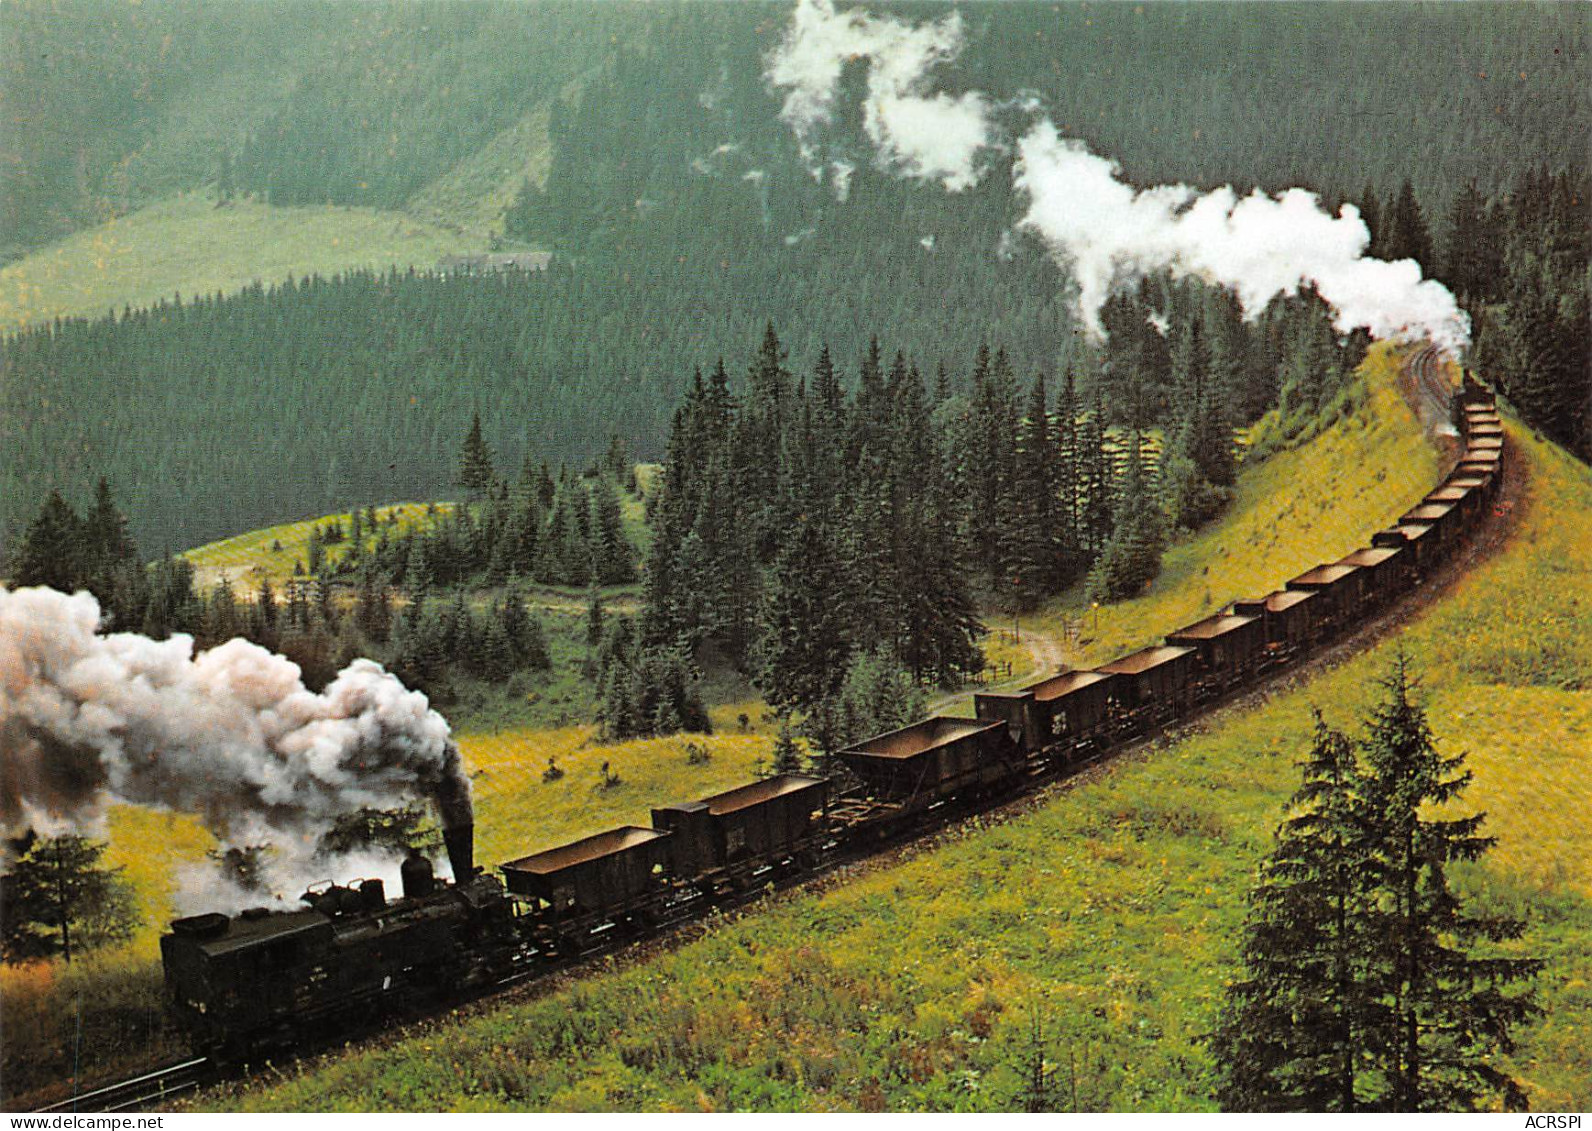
point(934, 138)
point(231, 734)
point(1108, 233)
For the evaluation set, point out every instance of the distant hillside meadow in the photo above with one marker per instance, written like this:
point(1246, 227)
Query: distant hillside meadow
point(640, 143)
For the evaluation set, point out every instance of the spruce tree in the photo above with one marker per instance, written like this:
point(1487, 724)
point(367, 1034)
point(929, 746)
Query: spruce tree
point(802, 646)
point(1290, 1036)
point(52, 551)
point(59, 899)
point(1036, 501)
point(1408, 236)
point(475, 472)
point(1367, 983)
point(1445, 1013)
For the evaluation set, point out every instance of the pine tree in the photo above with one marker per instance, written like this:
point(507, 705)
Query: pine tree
point(1097, 516)
point(1363, 988)
point(1132, 556)
point(59, 899)
point(475, 473)
point(52, 551)
point(1290, 1036)
point(1408, 236)
point(787, 754)
point(802, 645)
point(613, 562)
point(1444, 1012)
point(1036, 499)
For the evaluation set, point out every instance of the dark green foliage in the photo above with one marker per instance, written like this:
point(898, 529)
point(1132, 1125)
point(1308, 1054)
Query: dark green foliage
point(58, 899)
point(876, 695)
point(1132, 557)
point(787, 758)
point(802, 640)
point(792, 527)
point(1535, 343)
point(1472, 259)
point(96, 553)
point(1407, 234)
point(475, 462)
point(646, 691)
point(51, 552)
point(379, 101)
point(1291, 1038)
point(1367, 984)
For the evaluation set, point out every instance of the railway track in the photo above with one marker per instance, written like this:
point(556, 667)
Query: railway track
point(129, 1095)
point(1433, 392)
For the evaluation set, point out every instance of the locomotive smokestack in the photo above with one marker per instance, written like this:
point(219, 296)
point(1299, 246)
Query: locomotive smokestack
point(456, 815)
point(460, 842)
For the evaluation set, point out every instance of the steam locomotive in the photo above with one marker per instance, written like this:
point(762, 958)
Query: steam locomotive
point(240, 983)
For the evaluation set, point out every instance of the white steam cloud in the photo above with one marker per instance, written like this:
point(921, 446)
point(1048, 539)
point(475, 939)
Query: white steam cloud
point(934, 137)
point(1106, 231)
point(230, 734)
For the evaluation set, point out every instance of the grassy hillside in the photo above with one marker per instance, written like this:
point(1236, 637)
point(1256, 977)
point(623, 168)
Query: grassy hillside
point(186, 245)
point(1110, 911)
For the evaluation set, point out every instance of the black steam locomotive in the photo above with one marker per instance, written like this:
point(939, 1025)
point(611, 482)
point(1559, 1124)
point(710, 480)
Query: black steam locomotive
point(261, 977)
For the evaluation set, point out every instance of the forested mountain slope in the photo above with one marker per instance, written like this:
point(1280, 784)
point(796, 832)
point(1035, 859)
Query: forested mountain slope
point(313, 101)
point(654, 160)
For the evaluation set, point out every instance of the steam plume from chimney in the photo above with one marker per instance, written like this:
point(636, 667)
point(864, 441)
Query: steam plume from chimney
point(231, 734)
point(1107, 232)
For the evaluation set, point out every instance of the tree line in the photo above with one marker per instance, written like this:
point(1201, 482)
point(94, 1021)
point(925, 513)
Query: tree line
point(801, 528)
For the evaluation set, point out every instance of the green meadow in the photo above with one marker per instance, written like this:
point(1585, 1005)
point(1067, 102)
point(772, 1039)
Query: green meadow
point(188, 245)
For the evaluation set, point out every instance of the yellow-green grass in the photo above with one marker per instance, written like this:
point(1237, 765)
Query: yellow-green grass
point(247, 559)
point(186, 245)
point(518, 813)
point(1112, 910)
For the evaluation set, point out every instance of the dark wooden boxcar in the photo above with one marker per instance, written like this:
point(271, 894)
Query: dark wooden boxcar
point(1291, 617)
point(1484, 470)
point(920, 764)
point(768, 822)
point(1443, 518)
point(1067, 709)
point(1477, 483)
point(613, 873)
point(1466, 500)
point(1072, 707)
point(1154, 684)
point(1229, 645)
point(1417, 540)
point(1386, 570)
point(1486, 444)
point(1340, 588)
point(1016, 710)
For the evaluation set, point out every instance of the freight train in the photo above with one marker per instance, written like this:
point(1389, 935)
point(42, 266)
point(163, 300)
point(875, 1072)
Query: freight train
point(259, 979)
